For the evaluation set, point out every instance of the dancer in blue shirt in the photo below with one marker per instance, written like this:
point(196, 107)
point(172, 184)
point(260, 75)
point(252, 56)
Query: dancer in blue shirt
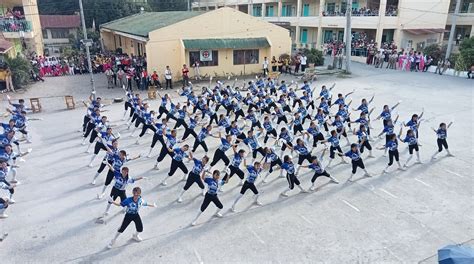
point(211, 195)
point(253, 173)
point(442, 134)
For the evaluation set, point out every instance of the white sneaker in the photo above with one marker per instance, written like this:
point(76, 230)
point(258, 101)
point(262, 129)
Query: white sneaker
point(11, 201)
point(367, 175)
point(303, 190)
point(219, 215)
point(100, 196)
point(350, 179)
point(93, 182)
point(111, 244)
point(241, 182)
point(401, 168)
point(148, 156)
point(370, 156)
point(450, 155)
point(90, 165)
point(233, 209)
point(83, 143)
point(164, 183)
point(105, 214)
point(418, 162)
point(156, 167)
point(384, 171)
point(180, 200)
point(258, 203)
point(2, 216)
point(137, 238)
point(193, 223)
point(334, 180)
point(284, 194)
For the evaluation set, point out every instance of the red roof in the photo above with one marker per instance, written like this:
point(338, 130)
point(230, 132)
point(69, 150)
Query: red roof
point(60, 21)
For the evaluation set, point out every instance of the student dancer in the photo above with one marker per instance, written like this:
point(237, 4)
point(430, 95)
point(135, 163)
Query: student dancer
point(442, 133)
point(291, 176)
point(386, 114)
point(219, 154)
point(363, 138)
point(189, 130)
point(253, 172)
point(270, 130)
point(108, 159)
point(303, 152)
point(340, 128)
point(318, 168)
point(412, 142)
point(392, 146)
point(195, 176)
point(170, 143)
point(162, 109)
point(132, 206)
point(4, 184)
point(414, 122)
point(271, 159)
point(106, 137)
point(356, 160)
point(234, 168)
point(211, 195)
point(148, 123)
point(314, 132)
point(178, 154)
point(4, 202)
point(334, 141)
point(122, 179)
point(201, 138)
point(252, 142)
point(389, 130)
point(161, 129)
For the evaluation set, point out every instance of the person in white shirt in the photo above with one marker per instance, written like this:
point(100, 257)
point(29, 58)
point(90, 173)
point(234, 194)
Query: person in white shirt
point(265, 66)
point(168, 78)
point(303, 60)
point(197, 73)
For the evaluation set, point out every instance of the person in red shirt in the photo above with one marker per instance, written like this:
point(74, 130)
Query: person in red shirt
point(185, 72)
point(155, 79)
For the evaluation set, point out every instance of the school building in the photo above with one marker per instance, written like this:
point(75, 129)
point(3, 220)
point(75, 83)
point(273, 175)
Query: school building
point(225, 41)
point(409, 23)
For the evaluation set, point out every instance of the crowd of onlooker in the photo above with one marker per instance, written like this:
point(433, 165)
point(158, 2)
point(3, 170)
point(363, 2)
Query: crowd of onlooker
point(13, 21)
point(363, 11)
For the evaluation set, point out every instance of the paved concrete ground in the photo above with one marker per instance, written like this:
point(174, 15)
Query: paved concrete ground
point(393, 218)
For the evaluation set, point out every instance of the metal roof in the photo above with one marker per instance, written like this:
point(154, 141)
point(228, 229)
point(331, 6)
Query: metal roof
point(60, 21)
point(226, 43)
point(142, 24)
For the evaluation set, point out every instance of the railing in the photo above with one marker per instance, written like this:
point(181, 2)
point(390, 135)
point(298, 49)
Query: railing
point(15, 25)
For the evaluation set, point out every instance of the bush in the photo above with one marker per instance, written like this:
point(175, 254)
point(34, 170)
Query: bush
point(20, 69)
point(314, 56)
point(435, 51)
point(466, 51)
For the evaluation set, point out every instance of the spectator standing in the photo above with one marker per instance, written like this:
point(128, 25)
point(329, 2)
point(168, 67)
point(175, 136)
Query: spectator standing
point(265, 67)
point(185, 74)
point(304, 61)
point(197, 72)
point(168, 78)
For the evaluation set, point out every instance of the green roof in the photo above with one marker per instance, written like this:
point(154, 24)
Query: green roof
point(144, 23)
point(225, 43)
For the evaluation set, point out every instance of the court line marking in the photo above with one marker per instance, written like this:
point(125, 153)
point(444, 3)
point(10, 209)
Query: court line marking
point(350, 205)
point(422, 182)
point(257, 236)
point(306, 220)
point(198, 256)
point(389, 193)
point(454, 173)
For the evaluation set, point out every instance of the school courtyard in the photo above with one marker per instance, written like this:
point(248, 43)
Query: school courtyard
point(401, 217)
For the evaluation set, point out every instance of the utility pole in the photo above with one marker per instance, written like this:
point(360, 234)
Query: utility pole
point(348, 38)
point(87, 42)
point(453, 30)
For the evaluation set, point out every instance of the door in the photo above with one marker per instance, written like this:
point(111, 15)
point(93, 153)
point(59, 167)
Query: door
point(269, 11)
point(304, 36)
point(305, 10)
point(330, 8)
point(283, 11)
point(340, 35)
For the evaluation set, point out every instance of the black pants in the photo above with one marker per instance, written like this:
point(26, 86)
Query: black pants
point(114, 193)
point(180, 122)
point(131, 218)
point(364, 145)
point(220, 155)
point(145, 128)
point(85, 123)
point(129, 105)
point(317, 138)
point(258, 150)
point(187, 132)
point(202, 143)
point(104, 164)
point(357, 163)
point(169, 84)
point(442, 143)
point(211, 198)
point(297, 128)
point(175, 165)
point(193, 178)
point(307, 157)
point(284, 146)
point(317, 174)
point(273, 163)
point(233, 170)
point(391, 155)
point(156, 138)
point(164, 151)
point(139, 121)
point(248, 185)
point(161, 110)
point(332, 151)
point(213, 118)
point(292, 180)
point(93, 136)
point(89, 128)
point(98, 147)
point(412, 147)
point(238, 113)
point(271, 132)
point(109, 178)
point(282, 118)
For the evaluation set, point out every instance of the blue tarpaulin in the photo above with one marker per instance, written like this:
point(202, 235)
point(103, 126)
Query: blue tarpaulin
point(456, 254)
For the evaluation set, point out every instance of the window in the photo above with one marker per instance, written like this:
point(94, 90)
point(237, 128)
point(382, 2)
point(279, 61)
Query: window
point(245, 57)
point(195, 56)
point(257, 10)
point(305, 12)
point(269, 11)
point(45, 33)
point(59, 33)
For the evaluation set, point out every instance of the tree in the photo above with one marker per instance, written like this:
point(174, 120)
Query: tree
point(466, 52)
point(20, 68)
point(168, 5)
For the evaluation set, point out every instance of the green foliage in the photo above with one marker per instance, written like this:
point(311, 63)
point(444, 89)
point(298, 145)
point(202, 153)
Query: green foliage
point(435, 51)
point(20, 69)
point(466, 51)
point(314, 56)
point(168, 5)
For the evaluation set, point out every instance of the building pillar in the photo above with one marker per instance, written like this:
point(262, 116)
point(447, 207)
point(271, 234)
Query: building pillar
point(380, 26)
point(297, 35)
point(264, 6)
point(279, 8)
point(378, 36)
point(319, 38)
point(298, 8)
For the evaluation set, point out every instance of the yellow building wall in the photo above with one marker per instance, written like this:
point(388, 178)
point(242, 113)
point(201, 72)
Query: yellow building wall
point(165, 46)
point(30, 8)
